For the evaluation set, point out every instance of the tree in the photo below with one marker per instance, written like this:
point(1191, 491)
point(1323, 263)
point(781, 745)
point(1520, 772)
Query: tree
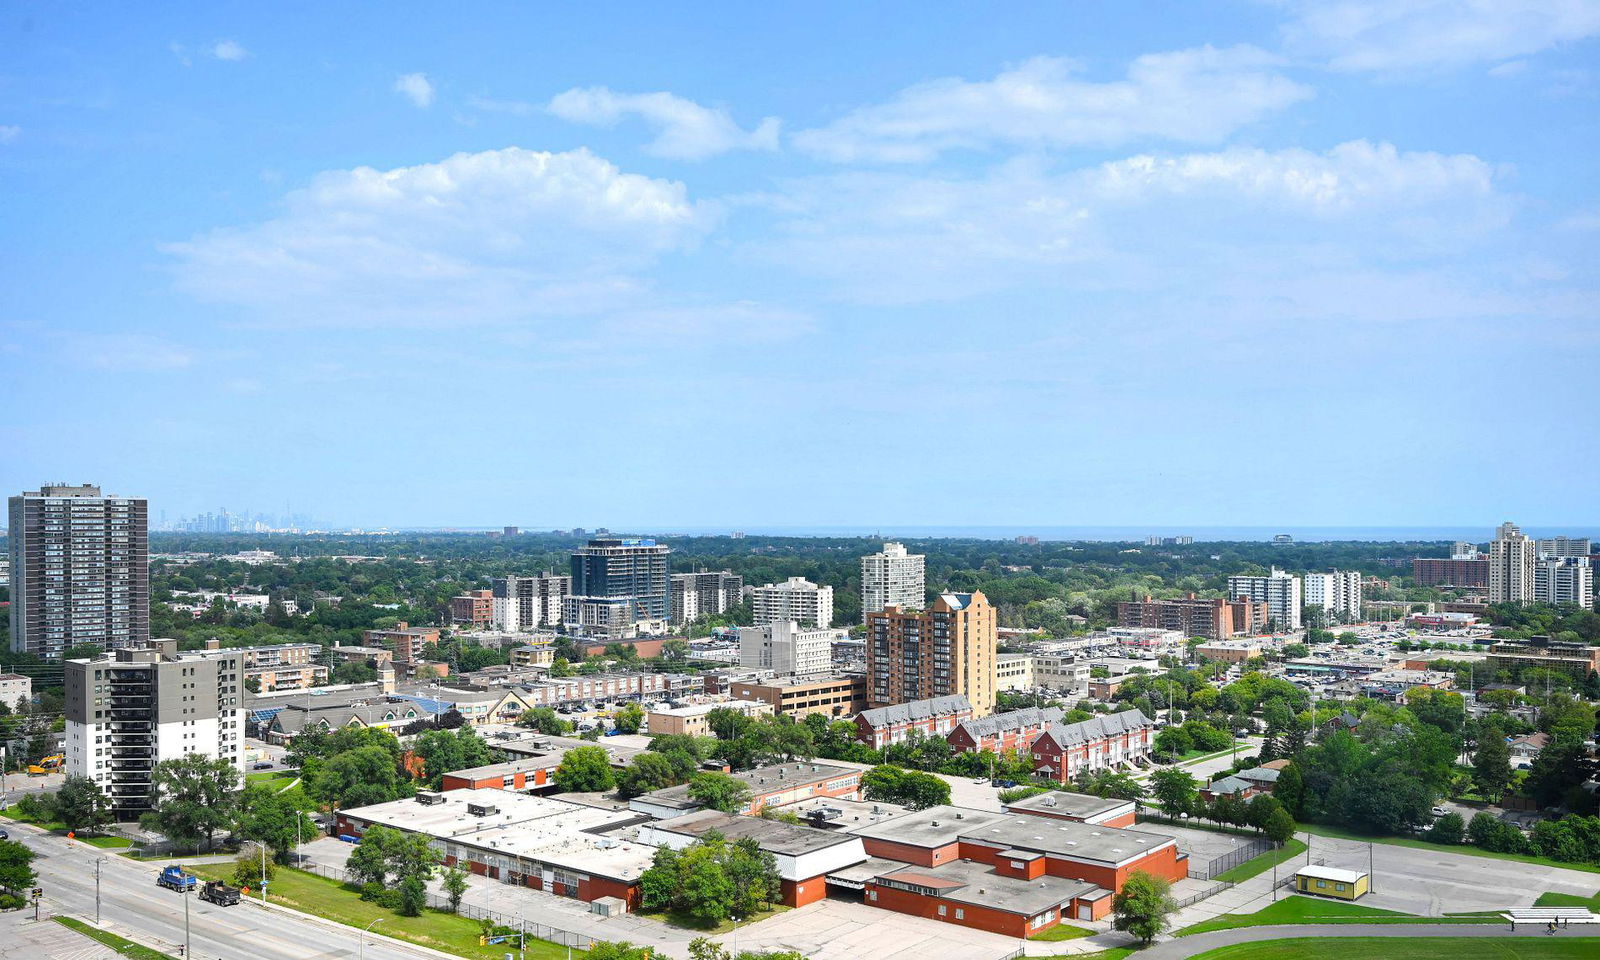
point(1491, 765)
point(585, 770)
point(1144, 906)
point(727, 723)
point(646, 772)
point(544, 720)
point(275, 817)
point(369, 861)
point(1175, 790)
point(911, 788)
point(413, 897)
point(1279, 827)
point(444, 750)
point(250, 867)
point(358, 778)
point(629, 718)
point(81, 805)
point(559, 667)
point(196, 795)
point(1448, 829)
point(711, 880)
point(16, 867)
point(455, 887)
point(1290, 789)
point(719, 791)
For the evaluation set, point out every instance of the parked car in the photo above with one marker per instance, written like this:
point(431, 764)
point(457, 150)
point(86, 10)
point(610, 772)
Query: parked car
point(1439, 811)
point(5, 834)
point(261, 765)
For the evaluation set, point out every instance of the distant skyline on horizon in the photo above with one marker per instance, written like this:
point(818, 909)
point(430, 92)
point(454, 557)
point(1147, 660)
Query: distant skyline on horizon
point(816, 263)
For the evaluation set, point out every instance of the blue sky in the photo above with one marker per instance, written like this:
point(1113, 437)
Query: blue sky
point(764, 264)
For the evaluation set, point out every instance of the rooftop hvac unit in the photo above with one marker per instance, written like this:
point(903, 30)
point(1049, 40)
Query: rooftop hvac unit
point(482, 809)
point(429, 797)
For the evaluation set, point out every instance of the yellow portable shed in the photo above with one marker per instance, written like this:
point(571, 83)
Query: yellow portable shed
point(1331, 882)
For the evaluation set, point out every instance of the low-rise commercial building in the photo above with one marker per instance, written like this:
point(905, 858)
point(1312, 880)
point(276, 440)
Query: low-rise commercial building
point(804, 855)
point(524, 774)
point(1579, 659)
point(1077, 808)
point(833, 697)
point(776, 785)
point(1229, 651)
point(693, 720)
point(1013, 671)
point(539, 842)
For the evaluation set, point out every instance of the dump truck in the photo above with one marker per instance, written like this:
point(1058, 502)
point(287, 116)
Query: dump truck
point(215, 891)
point(173, 878)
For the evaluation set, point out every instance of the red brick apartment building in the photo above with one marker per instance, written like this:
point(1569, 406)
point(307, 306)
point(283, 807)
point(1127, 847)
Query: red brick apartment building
point(407, 642)
point(1112, 740)
point(935, 717)
point(1449, 572)
point(1000, 732)
point(1214, 619)
point(475, 607)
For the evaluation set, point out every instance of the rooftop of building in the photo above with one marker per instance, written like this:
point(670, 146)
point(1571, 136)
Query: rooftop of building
point(998, 723)
point(966, 881)
point(701, 709)
point(509, 768)
point(1061, 803)
point(1097, 728)
point(777, 778)
point(774, 836)
point(833, 813)
point(917, 710)
point(933, 827)
point(1066, 838)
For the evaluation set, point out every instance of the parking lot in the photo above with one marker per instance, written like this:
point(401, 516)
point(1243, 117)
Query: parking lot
point(1432, 883)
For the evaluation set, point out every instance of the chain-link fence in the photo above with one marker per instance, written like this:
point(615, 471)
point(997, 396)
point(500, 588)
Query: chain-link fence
point(565, 938)
point(1229, 860)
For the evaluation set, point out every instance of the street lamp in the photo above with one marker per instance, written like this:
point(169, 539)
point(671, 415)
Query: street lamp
point(735, 935)
point(361, 944)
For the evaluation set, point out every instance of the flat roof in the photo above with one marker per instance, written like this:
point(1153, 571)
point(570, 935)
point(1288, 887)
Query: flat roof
point(1068, 804)
point(509, 768)
point(774, 836)
point(1329, 873)
point(967, 881)
point(1079, 841)
point(933, 827)
point(839, 813)
point(777, 778)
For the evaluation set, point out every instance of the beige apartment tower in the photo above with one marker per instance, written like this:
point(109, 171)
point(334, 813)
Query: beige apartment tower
point(1513, 556)
point(945, 650)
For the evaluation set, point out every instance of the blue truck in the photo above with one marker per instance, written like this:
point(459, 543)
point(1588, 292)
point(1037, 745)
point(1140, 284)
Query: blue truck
point(173, 878)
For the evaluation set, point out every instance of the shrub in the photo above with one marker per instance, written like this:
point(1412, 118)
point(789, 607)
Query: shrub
point(9, 901)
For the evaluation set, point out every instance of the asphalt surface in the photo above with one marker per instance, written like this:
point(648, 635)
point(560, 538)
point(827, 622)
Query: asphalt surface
point(133, 906)
point(1184, 947)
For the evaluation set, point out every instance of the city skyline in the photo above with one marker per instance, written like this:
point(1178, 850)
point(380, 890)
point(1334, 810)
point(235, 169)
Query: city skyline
point(1115, 246)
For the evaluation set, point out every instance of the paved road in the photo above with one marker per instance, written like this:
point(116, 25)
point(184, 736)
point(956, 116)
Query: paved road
point(132, 905)
point(1184, 947)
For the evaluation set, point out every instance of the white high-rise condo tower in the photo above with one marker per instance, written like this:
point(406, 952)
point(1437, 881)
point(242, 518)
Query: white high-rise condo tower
point(892, 578)
point(1512, 557)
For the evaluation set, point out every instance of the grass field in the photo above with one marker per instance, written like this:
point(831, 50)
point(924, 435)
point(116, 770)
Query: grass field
point(1295, 909)
point(107, 843)
point(1568, 900)
point(1263, 863)
point(1062, 931)
point(1416, 948)
point(1323, 830)
point(434, 929)
point(122, 945)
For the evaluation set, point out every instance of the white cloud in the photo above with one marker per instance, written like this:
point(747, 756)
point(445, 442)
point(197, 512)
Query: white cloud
point(883, 237)
point(1408, 35)
point(1188, 96)
point(476, 238)
point(416, 88)
point(229, 50)
point(9, 133)
point(685, 130)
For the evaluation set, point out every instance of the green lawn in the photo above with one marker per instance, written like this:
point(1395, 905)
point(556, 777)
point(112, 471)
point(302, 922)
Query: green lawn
point(1115, 953)
point(1414, 948)
point(1259, 865)
point(107, 843)
point(122, 945)
point(1297, 909)
point(435, 929)
point(1062, 931)
point(674, 919)
point(1568, 900)
point(1323, 830)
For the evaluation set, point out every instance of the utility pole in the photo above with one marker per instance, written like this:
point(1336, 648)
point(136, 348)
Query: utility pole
point(263, 847)
point(186, 951)
point(1372, 878)
point(97, 864)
